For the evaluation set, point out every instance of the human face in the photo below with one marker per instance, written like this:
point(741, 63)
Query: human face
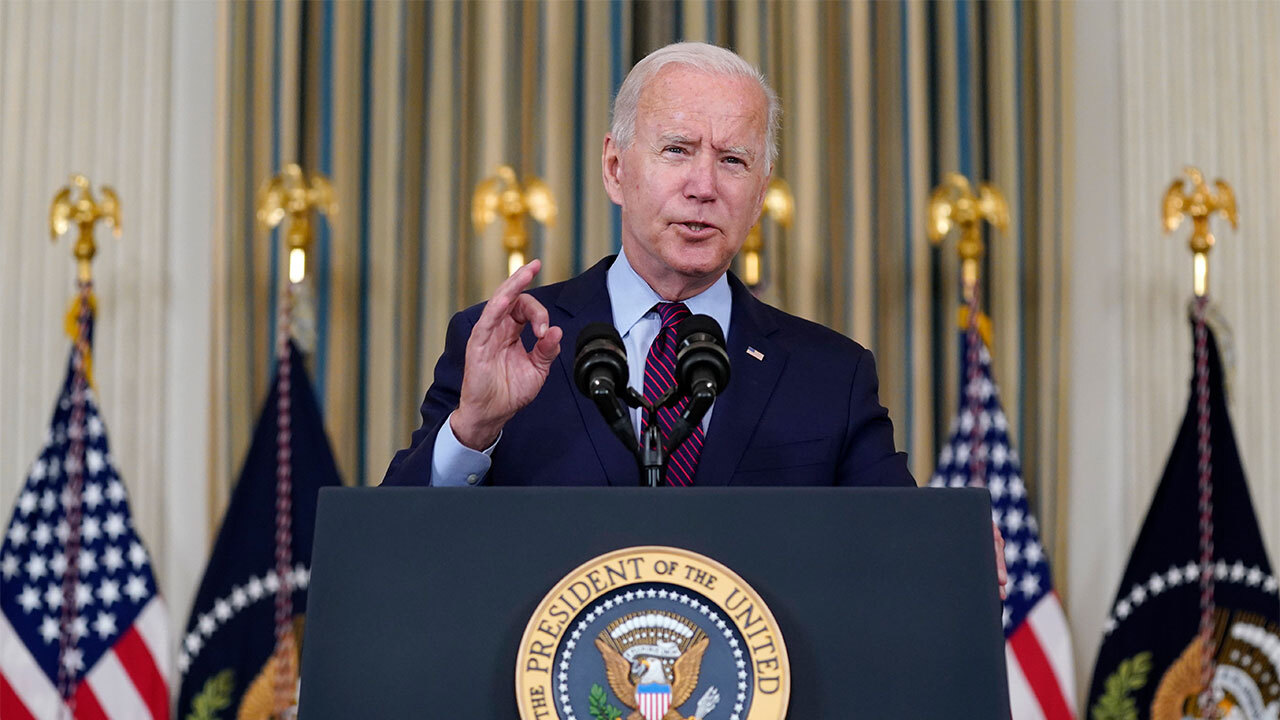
point(692, 182)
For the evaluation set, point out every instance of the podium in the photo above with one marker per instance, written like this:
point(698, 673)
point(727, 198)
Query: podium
point(886, 599)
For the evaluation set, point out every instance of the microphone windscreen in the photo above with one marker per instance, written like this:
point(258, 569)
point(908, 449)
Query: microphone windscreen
point(597, 331)
point(699, 324)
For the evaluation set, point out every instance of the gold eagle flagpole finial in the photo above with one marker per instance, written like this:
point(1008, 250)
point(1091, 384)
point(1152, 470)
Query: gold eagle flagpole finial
point(953, 206)
point(1199, 203)
point(84, 212)
point(295, 195)
point(779, 206)
point(501, 196)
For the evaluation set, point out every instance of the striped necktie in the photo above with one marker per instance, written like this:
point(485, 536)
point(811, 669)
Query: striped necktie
point(660, 374)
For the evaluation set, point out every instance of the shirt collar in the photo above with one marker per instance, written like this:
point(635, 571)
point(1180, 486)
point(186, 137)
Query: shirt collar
point(632, 298)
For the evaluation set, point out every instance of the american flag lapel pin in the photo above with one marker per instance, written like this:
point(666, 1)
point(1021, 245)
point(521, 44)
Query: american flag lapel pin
point(755, 353)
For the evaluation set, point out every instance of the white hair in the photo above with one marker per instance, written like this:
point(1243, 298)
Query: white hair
point(710, 59)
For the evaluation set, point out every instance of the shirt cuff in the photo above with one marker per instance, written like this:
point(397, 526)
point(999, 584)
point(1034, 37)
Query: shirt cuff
point(456, 465)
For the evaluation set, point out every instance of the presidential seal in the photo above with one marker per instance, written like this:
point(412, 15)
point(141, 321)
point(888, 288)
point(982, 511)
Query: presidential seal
point(652, 633)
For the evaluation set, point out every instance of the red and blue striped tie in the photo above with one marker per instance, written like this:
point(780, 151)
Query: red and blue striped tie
point(660, 374)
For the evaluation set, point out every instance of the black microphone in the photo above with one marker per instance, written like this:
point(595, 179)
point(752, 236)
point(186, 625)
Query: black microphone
point(702, 364)
point(600, 372)
point(702, 369)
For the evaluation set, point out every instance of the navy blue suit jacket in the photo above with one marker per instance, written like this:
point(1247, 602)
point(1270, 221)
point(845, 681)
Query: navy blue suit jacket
point(807, 414)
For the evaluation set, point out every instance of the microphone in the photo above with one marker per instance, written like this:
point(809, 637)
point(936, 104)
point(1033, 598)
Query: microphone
point(702, 370)
point(599, 371)
point(702, 364)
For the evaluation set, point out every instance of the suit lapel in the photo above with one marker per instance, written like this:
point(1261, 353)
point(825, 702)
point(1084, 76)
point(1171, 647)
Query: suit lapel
point(738, 409)
point(584, 300)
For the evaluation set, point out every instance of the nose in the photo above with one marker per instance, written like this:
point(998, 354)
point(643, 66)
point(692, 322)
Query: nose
point(700, 182)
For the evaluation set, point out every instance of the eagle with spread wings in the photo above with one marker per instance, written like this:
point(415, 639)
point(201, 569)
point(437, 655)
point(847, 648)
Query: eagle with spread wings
point(624, 677)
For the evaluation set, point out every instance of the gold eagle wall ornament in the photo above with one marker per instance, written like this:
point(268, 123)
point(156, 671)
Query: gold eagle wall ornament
point(501, 196)
point(84, 212)
point(294, 194)
point(1199, 203)
point(779, 206)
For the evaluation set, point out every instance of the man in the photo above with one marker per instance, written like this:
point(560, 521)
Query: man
point(688, 159)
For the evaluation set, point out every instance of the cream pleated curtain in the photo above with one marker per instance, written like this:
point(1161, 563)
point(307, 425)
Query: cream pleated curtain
point(1170, 84)
point(84, 88)
point(406, 106)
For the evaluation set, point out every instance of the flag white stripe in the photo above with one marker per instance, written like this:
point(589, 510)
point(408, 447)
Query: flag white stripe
point(115, 689)
point(153, 625)
point(1022, 700)
point(1048, 623)
point(24, 675)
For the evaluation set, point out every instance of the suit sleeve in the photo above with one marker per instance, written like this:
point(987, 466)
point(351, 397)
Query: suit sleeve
point(412, 466)
point(869, 458)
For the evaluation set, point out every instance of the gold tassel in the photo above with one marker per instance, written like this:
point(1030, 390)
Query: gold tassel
point(72, 328)
point(984, 325)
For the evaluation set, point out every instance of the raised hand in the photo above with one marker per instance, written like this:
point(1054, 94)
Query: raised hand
point(499, 377)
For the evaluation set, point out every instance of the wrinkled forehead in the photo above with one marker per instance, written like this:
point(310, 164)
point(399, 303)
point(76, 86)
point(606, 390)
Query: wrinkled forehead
point(680, 92)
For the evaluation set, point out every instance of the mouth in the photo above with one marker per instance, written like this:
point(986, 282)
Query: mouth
point(696, 230)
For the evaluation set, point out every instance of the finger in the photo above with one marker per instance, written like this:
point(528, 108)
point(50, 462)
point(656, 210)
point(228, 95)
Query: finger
point(544, 351)
point(499, 305)
point(527, 309)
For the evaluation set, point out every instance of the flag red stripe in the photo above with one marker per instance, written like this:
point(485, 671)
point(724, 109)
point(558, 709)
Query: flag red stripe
point(87, 706)
point(11, 707)
point(1039, 673)
point(141, 668)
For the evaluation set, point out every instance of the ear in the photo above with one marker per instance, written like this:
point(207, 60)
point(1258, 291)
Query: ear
point(611, 170)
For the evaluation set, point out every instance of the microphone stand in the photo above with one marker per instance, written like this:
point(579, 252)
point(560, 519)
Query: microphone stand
point(652, 452)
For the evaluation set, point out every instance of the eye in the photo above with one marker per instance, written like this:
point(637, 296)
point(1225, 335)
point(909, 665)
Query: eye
point(673, 149)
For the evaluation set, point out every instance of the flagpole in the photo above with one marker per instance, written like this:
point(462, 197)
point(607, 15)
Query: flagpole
point(84, 212)
point(290, 195)
point(980, 453)
point(74, 469)
point(953, 206)
point(1200, 204)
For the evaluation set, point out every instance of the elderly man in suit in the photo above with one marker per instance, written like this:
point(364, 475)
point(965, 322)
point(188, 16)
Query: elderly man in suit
point(688, 158)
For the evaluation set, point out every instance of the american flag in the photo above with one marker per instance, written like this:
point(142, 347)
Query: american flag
point(115, 656)
point(1037, 644)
